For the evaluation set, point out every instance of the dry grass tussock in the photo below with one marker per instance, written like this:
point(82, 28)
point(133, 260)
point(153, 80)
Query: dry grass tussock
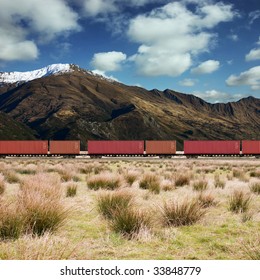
point(255, 187)
point(11, 176)
point(239, 201)
point(182, 213)
point(40, 199)
point(110, 202)
point(12, 220)
point(130, 222)
point(150, 182)
point(45, 247)
point(2, 184)
point(206, 199)
point(131, 176)
point(71, 188)
point(251, 247)
point(218, 182)
point(104, 180)
point(200, 185)
point(115, 221)
point(182, 180)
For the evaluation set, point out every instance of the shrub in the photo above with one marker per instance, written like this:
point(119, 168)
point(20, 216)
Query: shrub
point(129, 222)
point(40, 201)
point(150, 182)
point(255, 187)
point(107, 181)
point(200, 185)
point(108, 203)
point(71, 189)
point(239, 201)
point(182, 180)
point(182, 213)
point(2, 184)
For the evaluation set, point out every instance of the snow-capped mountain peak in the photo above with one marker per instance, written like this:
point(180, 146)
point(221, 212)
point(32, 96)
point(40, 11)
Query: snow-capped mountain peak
point(16, 77)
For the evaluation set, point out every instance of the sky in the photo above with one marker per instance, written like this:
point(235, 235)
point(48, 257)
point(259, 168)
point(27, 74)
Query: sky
point(208, 48)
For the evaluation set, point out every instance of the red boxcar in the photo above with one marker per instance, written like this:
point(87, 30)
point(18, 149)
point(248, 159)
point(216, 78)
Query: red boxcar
point(17, 147)
point(208, 147)
point(251, 147)
point(115, 147)
point(64, 147)
point(160, 147)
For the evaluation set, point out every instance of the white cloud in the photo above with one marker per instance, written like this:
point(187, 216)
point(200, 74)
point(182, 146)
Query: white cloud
point(106, 7)
point(103, 74)
point(22, 19)
point(188, 82)
point(254, 54)
point(108, 61)
point(95, 7)
point(234, 37)
point(215, 96)
point(254, 16)
point(206, 67)
point(250, 78)
point(171, 36)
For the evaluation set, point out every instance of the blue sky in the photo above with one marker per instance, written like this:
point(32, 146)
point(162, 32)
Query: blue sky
point(208, 48)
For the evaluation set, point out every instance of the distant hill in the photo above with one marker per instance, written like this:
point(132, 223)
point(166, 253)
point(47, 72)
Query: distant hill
point(77, 104)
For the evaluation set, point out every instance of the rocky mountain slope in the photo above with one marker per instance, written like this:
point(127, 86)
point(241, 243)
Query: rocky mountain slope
point(78, 104)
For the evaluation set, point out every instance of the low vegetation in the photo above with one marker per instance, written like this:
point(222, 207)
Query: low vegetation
point(2, 184)
point(239, 201)
point(255, 187)
point(182, 180)
point(104, 181)
point(130, 221)
point(110, 203)
point(150, 182)
point(129, 209)
point(71, 189)
point(182, 213)
point(200, 185)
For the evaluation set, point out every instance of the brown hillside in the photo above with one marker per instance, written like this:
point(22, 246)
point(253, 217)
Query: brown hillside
point(80, 105)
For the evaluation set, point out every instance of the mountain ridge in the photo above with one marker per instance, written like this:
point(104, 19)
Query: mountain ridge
point(82, 105)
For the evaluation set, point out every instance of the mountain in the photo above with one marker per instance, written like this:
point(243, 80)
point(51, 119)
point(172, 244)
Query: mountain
point(18, 77)
point(11, 129)
point(78, 104)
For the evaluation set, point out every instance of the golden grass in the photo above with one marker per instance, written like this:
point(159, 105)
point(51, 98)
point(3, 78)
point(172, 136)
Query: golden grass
point(137, 232)
point(2, 184)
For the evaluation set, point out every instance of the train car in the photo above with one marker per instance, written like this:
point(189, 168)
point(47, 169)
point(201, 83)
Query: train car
point(23, 147)
point(251, 147)
point(208, 147)
point(115, 148)
point(64, 148)
point(161, 148)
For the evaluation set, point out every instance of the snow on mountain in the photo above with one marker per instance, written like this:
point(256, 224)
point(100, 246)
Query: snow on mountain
point(54, 69)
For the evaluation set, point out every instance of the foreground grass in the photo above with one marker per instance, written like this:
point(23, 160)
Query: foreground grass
point(218, 234)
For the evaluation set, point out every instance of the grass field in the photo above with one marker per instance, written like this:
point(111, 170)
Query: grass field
point(121, 209)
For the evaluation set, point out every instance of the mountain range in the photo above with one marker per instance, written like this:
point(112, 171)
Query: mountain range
point(63, 101)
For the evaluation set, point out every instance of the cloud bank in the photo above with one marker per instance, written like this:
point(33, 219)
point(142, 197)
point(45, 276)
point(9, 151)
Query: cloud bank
point(171, 36)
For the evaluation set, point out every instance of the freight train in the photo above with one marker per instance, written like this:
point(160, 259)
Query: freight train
point(97, 149)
